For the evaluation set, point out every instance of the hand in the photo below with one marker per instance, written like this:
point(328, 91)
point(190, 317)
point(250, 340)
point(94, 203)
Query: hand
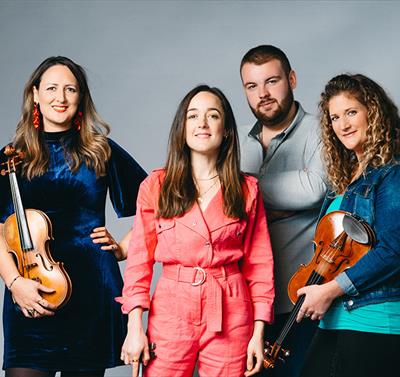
point(135, 350)
point(255, 350)
point(26, 294)
point(101, 235)
point(318, 300)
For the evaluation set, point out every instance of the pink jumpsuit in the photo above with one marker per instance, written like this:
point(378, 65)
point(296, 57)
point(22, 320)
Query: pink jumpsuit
point(217, 279)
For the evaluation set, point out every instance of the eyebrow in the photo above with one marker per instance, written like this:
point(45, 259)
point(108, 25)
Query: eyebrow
point(54, 83)
point(267, 79)
point(209, 109)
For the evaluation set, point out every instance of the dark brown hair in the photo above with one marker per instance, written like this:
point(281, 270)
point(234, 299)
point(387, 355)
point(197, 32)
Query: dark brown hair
point(178, 191)
point(90, 147)
point(383, 130)
point(262, 54)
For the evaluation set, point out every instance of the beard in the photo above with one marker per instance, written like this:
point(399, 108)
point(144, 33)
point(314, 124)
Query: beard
point(278, 115)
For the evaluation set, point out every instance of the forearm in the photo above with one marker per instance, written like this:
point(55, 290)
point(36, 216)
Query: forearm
point(135, 319)
point(123, 245)
point(8, 268)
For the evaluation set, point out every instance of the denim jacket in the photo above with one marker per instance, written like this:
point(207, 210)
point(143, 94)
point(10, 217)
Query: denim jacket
point(375, 197)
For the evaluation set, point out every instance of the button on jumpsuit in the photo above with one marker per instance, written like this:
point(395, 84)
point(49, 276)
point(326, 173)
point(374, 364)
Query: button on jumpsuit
point(217, 279)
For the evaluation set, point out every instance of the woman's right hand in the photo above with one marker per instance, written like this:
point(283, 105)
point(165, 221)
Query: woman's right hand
point(26, 294)
point(135, 349)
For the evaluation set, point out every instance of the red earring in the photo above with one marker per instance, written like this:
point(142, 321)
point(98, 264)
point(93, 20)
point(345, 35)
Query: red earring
point(78, 120)
point(36, 116)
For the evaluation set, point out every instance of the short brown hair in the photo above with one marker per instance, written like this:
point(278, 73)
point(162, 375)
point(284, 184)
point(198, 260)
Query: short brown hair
point(265, 53)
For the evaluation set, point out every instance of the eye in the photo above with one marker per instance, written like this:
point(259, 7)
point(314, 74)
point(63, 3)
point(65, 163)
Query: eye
point(71, 89)
point(250, 86)
point(334, 118)
point(352, 112)
point(214, 116)
point(272, 82)
point(51, 88)
point(191, 116)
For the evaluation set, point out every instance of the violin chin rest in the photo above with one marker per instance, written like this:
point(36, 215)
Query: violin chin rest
point(357, 229)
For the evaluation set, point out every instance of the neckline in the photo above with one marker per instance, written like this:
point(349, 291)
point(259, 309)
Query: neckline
point(59, 135)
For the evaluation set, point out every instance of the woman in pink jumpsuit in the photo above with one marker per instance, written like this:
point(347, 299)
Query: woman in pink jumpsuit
point(205, 222)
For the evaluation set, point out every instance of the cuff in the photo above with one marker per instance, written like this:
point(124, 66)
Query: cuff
point(346, 284)
point(129, 303)
point(263, 312)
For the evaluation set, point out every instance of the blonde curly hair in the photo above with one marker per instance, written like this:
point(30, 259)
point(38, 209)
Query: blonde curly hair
point(383, 130)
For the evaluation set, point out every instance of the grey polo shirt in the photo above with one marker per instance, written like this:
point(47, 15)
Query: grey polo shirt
point(291, 178)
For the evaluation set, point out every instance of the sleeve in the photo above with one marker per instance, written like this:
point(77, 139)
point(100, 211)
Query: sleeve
point(140, 260)
point(6, 207)
point(257, 264)
point(297, 190)
point(382, 263)
point(124, 177)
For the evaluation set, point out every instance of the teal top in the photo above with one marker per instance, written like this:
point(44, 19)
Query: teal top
point(383, 318)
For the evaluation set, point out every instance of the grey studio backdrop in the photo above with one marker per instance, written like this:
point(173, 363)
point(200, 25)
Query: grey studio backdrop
point(142, 57)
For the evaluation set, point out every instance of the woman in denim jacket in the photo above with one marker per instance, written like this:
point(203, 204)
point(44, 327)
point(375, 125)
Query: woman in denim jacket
point(359, 332)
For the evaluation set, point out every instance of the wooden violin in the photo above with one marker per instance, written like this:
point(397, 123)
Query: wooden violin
point(27, 234)
point(340, 240)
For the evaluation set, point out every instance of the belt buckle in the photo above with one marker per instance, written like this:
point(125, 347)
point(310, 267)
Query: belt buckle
point(203, 278)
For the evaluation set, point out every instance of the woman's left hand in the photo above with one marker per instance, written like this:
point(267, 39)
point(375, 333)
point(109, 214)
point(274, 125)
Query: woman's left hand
point(102, 235)
point(318, 300)
point(255, 350)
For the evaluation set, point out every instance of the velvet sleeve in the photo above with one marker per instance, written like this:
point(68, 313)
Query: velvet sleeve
point(124, 176)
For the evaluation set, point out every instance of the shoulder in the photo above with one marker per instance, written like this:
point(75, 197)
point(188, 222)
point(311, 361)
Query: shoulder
point(251, 186)
point(116, 149)
point(154, 179)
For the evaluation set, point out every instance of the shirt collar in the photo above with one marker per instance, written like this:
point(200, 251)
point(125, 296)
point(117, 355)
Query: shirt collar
point(257, 128)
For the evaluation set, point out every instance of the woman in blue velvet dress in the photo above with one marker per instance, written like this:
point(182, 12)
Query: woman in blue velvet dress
point(359, 331)
point(69, 165)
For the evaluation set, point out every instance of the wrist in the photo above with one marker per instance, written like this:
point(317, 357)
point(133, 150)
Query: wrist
point(11, 283)
point(258, 331)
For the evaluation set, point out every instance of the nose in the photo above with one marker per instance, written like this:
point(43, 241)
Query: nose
point(263, 91)
point(204, 122)
point(60, 95)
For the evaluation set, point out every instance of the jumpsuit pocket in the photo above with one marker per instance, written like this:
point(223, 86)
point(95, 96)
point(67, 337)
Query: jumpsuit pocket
point(237, 298)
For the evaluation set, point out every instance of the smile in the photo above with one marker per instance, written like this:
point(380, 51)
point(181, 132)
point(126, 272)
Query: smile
point(203, 135)
point(60, 109)
point(349, 134)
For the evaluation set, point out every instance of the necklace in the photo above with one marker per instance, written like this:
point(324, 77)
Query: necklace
point(200, 198)
point(206, 179)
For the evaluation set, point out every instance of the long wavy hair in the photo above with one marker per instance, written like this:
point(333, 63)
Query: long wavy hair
point(178, 191)
point(383, 131)
point(90, 146)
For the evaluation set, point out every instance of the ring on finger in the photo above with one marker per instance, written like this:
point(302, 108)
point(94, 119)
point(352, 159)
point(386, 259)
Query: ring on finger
point(135, 360)
point(307, 315)
point(31, 312)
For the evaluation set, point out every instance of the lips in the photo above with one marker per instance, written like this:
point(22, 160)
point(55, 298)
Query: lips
point(60, 109)
point(266, 103)
point(203, 135)
point(349, 134)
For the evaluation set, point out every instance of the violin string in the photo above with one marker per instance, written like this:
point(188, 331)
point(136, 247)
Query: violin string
point(12, 176)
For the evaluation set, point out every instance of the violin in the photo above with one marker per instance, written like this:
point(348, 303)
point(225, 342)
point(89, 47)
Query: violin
point(27, 233)
point(340, 240)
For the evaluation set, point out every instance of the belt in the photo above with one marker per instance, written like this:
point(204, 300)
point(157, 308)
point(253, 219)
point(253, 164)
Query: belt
point(209, 275)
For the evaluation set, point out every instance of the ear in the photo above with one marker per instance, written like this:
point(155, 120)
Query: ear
point(35, 95)
point(292, 79)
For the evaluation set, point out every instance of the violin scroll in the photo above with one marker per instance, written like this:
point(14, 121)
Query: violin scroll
point(14, 158)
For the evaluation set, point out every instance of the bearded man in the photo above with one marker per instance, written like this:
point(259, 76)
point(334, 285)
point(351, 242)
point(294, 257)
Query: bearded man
point(282, 150)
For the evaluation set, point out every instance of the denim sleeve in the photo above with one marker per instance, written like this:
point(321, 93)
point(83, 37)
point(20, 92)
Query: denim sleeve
point(382, 262)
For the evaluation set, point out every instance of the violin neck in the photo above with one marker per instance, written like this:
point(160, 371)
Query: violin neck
point(23, 229)
point(315, 278)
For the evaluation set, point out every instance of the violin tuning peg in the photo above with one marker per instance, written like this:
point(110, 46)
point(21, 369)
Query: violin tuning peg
point(285, 353)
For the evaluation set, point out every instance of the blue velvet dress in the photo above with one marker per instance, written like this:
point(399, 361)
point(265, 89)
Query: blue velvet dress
point(86, 334)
